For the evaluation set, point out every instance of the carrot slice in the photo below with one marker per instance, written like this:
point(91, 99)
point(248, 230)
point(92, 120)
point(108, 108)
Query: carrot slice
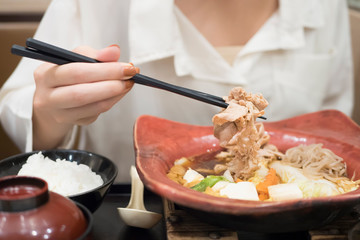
point(262, 187)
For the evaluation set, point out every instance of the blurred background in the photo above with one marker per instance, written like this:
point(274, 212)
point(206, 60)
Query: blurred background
point(20, 18)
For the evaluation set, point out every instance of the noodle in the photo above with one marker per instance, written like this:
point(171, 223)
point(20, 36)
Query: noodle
point(316, 162)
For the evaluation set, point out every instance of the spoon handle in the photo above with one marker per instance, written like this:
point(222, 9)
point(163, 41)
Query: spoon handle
point(137, 190)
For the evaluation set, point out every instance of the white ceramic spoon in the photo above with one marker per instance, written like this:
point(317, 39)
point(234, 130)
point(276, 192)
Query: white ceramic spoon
point(135, 214)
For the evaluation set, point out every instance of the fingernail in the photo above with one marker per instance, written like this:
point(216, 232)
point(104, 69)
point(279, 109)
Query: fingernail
point(129, 71)
point(137, 69)
point(129, 83)
point(114, 45)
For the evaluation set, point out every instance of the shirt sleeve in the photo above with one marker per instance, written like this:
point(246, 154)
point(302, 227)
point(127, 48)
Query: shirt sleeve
point(60, 26)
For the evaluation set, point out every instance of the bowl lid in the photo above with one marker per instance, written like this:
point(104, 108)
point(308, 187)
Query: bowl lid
point(21, 193)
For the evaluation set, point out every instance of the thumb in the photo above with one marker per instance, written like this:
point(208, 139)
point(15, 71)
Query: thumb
point(109, 54)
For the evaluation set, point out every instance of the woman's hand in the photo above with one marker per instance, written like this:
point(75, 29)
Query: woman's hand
point(77, 93)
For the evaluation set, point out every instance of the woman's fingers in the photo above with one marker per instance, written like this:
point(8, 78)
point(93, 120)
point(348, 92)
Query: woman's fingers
point(77, 73)
point(85, 114)
point(87, 51)
point(77, 93)
point(86, 93)
point(109, 54)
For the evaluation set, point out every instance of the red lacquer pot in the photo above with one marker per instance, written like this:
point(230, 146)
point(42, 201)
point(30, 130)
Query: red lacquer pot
point(29, 211)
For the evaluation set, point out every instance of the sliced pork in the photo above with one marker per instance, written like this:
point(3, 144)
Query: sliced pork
point(238, 132)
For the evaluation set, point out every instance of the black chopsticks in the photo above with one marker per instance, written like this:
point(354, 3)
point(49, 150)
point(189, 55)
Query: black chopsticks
point(39, 50)
point(49, 53)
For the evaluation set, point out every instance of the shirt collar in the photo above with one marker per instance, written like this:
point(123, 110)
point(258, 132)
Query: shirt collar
point(196, 56)
point(284, 30)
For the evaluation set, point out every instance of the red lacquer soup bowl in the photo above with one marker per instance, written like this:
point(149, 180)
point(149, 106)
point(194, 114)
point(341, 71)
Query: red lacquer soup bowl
point(29, 211)
point(159, 142)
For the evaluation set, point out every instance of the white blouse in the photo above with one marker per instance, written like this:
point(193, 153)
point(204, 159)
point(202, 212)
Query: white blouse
point(300, 60)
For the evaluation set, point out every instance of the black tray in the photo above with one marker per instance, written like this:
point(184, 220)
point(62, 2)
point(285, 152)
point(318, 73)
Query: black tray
point(108, 224)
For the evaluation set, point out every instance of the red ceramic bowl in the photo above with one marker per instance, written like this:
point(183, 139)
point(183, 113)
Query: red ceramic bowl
point(159, 142)
point(29, 211)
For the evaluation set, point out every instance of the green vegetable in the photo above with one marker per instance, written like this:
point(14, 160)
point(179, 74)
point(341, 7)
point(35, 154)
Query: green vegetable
point(209, 181)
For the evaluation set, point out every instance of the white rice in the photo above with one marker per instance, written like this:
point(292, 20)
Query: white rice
point(63, 177)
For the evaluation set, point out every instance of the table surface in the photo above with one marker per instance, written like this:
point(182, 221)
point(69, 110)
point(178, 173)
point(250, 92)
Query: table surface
point(108, 224)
